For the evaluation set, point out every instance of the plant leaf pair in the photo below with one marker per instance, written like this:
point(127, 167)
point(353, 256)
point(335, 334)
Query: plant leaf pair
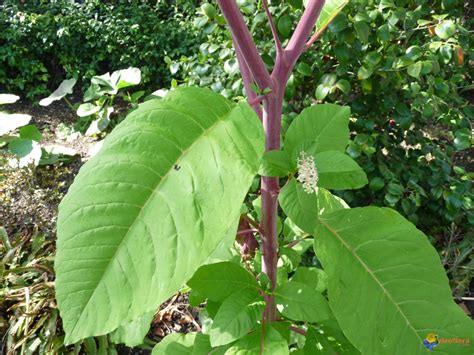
point(320, 132)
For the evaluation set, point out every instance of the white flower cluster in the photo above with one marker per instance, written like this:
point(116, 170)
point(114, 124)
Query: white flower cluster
point(307, 172)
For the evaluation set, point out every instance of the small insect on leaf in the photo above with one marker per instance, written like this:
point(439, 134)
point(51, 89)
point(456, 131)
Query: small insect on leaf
point(177, 167)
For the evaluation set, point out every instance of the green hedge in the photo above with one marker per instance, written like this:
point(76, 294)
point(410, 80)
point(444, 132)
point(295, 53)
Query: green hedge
point(43, 42)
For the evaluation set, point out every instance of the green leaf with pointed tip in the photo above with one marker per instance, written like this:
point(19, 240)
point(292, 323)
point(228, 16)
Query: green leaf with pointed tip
point(322, 91)
point(87, 109)
point(218, 281)
point(325, 126)
point(375, 254)
point(237, 316)
point(11, 121)
point(175, 343)
point(301, 302)
point(64, 89)
point(363, 31)
point(273, 343)
point(31, 132)
point(414, 70)
point(305, 208)
point(311, 276)
point(276, 163)
point(133, 333)
point(445, 29)
point(152, 206)
point(329, 11)
point(327, 341)
point(126, 77)
point(202, 344)
point(339, 171)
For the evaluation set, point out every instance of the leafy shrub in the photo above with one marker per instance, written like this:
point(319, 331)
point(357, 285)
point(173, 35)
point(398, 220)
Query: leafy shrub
point(42, 43)
point(401, 66)
point(160, 206)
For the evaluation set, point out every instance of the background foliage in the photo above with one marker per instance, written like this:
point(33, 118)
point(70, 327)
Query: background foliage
point(45, 42)
point(403, 67)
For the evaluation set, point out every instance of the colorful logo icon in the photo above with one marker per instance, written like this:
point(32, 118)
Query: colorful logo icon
point(430, 341)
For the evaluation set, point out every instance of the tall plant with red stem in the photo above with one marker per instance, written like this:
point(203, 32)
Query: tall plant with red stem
point(158, 207)
point(269, 108)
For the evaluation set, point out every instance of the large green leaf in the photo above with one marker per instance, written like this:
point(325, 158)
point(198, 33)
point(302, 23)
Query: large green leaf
point(237, 316)
point(276, 163)
point(64, 89)
point(182, 344)
point(299, 301)
point(305, 208)
point(175, 343)
point(327, 341)
point(325, 127)
point(133, 333)
point(273, 343)
point(339, 171)
point(311, 276)
point(218, 281)
point(386, 285)
point(151, 207)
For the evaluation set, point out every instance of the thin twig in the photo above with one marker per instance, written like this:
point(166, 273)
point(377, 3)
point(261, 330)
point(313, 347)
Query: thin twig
point(245, 231)
point(276, 38)
point(303, 30)
point(253, 223)
point(256, 100)
point(293, 243)
point(298, 330)
point(243, 38)
point(313, 38)
point(247, 78)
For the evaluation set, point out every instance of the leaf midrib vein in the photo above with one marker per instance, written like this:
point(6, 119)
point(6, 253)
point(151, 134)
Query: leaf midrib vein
point(369, 271)
point(219, 120)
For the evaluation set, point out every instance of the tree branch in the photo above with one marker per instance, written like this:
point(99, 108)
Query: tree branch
point(313, 39)
point(303, 30)
point(248, 80)
point(279, 48)
point(243, 39)
point(252, 222)
point(298, 330)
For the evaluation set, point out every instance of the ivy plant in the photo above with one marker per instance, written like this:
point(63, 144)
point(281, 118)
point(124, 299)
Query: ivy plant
point(161, 204)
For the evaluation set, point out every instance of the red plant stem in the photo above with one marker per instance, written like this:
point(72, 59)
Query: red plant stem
point(272, 107)
point(252, 222)
point(245, 231)
point(270, 188)
point(314, 38)
point(243, 38)
point(279, 48)
point(297, 330)
point(303, 30)
point(248, 80)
